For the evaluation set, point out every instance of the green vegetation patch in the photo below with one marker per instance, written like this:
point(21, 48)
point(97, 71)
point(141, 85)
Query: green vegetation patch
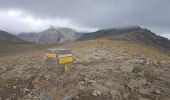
point(7, 80)
point(138, 68)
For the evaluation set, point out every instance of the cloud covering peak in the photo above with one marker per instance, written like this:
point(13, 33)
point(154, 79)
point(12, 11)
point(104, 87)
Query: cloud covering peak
point(84, 15)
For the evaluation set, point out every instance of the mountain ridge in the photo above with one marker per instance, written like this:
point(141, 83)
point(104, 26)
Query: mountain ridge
point(6, 38)
point(136, 34)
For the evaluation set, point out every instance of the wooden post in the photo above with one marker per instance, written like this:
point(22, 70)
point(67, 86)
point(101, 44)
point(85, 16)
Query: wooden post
point(66, 67)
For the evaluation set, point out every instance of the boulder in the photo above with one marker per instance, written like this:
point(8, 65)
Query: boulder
point(143, 60)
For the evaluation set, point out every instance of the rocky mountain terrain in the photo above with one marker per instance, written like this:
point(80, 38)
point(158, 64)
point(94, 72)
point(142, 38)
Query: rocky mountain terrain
point(105, 69)
point(112, 64)
point(136, 34)
point(7, 38)
point(52, 35)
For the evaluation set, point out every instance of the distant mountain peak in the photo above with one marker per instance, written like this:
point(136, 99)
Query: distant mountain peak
point(136, 34)
point(53, 35)
point(51, 26)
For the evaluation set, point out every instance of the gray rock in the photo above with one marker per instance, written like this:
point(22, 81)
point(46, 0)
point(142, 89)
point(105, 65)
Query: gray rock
point(14, 87)
point(82, 82)
point(158, 91)
point(109, 83)
point(126, 68)
point(126, 95)
point(143, 91)
point(141, 98)
point(113, 93)
point(143, 61)
point(92, 81)
point(94, 93)
point(101, 88)
point(133, 84)
point(25, 90)
point(86, 79)
point(98, 92)
point(82, 87)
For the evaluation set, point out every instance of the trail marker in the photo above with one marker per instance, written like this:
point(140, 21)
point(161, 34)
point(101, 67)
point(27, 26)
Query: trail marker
point(63, 56)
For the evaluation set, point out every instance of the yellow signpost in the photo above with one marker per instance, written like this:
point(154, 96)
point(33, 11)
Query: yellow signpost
point(56, 84)
point(64, 60)
point(63, 56)
point(51, 55)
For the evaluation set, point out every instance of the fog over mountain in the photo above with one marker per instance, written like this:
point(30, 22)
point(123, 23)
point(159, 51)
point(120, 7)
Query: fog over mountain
point(18, 16)
point(51, 35)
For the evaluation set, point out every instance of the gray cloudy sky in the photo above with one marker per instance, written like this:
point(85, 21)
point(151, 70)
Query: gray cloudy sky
point(84, 15)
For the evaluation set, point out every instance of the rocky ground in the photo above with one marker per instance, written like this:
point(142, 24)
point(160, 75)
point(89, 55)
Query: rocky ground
point(104, 69)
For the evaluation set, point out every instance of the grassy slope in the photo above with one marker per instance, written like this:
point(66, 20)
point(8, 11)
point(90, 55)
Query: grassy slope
point(14, 49)
point(8, 38)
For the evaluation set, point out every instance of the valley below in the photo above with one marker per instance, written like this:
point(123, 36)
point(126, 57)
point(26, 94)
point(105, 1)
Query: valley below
point(105, 70)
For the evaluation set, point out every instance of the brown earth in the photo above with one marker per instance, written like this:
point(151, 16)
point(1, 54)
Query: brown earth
point(105, 69)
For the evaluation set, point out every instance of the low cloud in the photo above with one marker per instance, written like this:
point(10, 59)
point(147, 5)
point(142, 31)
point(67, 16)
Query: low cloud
point(166, 35)
point(84, 15)
point(17, 21)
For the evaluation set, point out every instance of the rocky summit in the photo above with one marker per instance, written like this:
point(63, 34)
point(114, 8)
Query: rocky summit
point(51, 35)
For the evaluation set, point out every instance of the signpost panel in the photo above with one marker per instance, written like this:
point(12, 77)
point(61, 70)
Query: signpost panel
point(65, 58)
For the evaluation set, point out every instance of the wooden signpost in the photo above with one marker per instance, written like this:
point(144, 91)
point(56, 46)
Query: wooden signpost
point(63, 56)
point(58, 85)
point(64, 59)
